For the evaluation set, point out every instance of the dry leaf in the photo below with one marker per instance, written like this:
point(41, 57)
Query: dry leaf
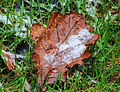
point(60, 45)
point(10, 59)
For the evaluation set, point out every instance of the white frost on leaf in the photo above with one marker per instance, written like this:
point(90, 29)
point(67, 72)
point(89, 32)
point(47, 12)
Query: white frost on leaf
point(70, 49)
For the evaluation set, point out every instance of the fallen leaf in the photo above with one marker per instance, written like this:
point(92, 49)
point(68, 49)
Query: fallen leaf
point(10, 59)
point(60, 45)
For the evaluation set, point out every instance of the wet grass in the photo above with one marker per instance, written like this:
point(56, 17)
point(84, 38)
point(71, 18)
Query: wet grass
point(101, 72)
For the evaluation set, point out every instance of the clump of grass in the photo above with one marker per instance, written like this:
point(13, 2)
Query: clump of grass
point(101, 71)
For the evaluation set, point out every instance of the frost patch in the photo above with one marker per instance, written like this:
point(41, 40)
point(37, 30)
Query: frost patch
point(70, 49)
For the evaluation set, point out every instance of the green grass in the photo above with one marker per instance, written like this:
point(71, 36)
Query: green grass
point(101, 72)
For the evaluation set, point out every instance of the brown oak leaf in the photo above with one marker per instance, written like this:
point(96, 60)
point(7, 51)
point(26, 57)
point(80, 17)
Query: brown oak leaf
point(60, 45)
